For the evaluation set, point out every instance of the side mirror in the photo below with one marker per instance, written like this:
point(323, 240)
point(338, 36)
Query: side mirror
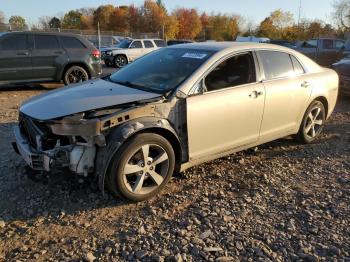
point(200, 88)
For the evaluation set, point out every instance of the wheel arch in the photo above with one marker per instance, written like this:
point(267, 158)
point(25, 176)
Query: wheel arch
point(122, 54)
point(127, 131)
point(324, 101)
point(70, 64)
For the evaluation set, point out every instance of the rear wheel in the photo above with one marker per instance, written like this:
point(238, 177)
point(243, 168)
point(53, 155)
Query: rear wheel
point(75, 74)
point(142, 167)
point(312, 124)
point(120, 61)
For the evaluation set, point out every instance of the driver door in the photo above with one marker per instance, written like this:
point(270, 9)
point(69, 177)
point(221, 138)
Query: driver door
point(135, 50)
point(226, 108)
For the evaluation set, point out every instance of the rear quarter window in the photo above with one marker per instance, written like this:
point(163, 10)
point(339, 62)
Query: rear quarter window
point(160, 43)
point(71, 42)
point(298, 68)
point(276, 64)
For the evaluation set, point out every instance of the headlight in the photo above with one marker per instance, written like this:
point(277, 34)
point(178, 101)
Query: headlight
point(109, 53)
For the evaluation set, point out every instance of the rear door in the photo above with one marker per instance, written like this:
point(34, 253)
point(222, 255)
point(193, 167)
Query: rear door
point(47, 56)
point(15, 58)
point(288, 90)
point(149, 46)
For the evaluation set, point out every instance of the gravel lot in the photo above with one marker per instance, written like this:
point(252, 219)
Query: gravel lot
point(280, 202)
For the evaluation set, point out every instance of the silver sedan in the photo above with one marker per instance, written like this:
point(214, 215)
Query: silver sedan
point(175, 108)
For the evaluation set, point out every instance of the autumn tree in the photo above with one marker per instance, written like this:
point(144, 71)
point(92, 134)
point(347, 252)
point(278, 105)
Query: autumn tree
point(267, 28)
point(103, 15)
point(189, 23)
point(275, 25)
point(152, 16)
point(134, 17)
point(171, 27)
point(119, 19)
point(17, 22)
point(72, 20)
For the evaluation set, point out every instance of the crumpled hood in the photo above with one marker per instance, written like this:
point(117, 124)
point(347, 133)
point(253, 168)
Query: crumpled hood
point(82, 97)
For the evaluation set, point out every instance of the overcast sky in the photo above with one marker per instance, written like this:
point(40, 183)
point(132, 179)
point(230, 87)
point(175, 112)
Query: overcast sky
point(255, 10)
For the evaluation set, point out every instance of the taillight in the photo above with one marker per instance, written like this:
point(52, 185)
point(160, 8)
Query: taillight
point(96, 53)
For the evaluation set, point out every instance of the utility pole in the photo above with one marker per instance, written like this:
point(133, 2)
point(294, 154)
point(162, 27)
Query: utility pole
point(299, 16)
point(99, 35)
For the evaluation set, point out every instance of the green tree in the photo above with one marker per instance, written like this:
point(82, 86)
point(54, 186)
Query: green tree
point(72, 20)
point(55, 23)
point(222, 27)
point(17, 23)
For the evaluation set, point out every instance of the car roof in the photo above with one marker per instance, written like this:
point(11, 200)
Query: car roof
point(44, 33)
point(229, 46)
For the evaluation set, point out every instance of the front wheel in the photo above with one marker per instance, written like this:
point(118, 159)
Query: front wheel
point(75, 74)
point(312, 124)
point(141, 167)
point(120, 61)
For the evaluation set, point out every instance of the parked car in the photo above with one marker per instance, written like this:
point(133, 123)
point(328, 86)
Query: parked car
point(323, 51)
point(343, 69)
point(42, 57)
point(131, 49)
point(252, 39)
point(285, 43)
point(178, 42)
point(175, 108)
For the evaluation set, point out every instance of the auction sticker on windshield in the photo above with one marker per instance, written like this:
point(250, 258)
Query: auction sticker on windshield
point(195, 55)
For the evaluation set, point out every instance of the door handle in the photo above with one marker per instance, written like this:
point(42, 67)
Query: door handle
point(305, 84)
point(23, 53)
point(255, 94)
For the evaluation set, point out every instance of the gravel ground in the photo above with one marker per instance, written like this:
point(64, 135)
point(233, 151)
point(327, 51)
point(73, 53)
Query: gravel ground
point(279, 202)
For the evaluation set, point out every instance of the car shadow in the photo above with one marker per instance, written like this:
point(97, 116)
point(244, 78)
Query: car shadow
point(30, 87)
point(26, 195)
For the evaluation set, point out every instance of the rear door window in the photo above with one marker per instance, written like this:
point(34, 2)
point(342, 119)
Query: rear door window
point(14, 42)
point(71, 42)
point(160, 43)
point(46, 42)
point(148, 44)
point(339, 44)
point(276, 64)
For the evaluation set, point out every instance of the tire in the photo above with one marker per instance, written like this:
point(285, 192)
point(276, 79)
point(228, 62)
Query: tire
point(108, 63)
point(120, 61)
point(75, 74)
point(136, 178)
point(312, 124)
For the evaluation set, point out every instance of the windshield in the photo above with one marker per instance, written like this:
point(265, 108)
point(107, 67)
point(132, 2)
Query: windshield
point(162, 70)
point(124, 44)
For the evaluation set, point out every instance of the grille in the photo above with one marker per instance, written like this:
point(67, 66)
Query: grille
point(29, 130)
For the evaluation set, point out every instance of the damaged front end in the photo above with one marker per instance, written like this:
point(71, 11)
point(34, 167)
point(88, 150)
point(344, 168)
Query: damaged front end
point(72, 141)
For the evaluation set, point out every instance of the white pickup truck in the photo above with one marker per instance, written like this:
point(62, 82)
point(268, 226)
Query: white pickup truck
point(131, 49)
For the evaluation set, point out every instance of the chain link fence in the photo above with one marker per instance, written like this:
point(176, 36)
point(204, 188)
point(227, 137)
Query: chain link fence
point(107, 38)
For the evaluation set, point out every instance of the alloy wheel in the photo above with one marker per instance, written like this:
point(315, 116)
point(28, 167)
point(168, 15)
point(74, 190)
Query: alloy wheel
point(146, 169)
point(314, 122)
point(76, 76)
point(120, 61)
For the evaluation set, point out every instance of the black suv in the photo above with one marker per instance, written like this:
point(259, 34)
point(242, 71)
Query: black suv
point(43, 57)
